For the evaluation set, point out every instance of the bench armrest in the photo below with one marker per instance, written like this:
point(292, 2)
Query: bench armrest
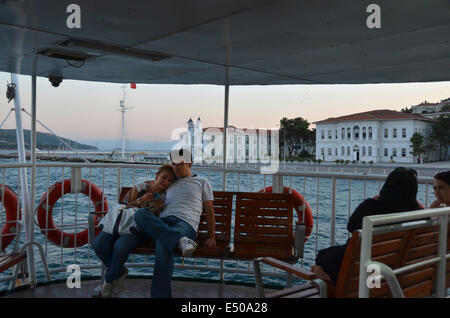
point(390, 277)
point(91, 225)
point(303, 273)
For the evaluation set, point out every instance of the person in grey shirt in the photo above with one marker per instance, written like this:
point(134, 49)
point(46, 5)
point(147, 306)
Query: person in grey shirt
point(188, 196)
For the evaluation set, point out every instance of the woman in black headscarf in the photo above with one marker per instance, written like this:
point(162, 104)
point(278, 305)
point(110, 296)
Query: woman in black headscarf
point(398, 194)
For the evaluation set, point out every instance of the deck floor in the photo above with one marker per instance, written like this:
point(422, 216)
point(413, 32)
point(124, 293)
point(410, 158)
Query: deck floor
point(139, 288)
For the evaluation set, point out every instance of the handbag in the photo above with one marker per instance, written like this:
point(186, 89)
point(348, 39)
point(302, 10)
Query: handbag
point(119, 222)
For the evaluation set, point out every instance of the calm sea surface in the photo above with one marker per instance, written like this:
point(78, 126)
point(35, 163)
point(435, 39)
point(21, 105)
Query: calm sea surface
point(76, 207)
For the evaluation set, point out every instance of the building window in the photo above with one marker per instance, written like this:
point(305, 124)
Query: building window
point(322, 151)
point(329, 151)
point(343, 133)
point(322, 134)
point(394, 152)
point(356, 133)
point(348, 151)
point(343, 151)
point(403, 132)
point(394, 133)
point(335, 151)
point(348, 133)
point(386, 132)
point(364, 133)
point(403, 152)
point(329, 134)
point(370, 133)
point(363, 151)
point(385, 152)
point(369, 150)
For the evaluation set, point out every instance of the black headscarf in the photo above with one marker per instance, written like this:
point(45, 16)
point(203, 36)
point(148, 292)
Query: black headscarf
point(400, 186)
point(398, 194)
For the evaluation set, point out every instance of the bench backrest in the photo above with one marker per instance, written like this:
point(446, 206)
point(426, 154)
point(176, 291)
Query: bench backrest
point(223, 207)
point(395, 249)
point(263, 225)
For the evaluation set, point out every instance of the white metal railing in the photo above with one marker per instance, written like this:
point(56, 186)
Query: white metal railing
point(325, 191)
point(439, 215)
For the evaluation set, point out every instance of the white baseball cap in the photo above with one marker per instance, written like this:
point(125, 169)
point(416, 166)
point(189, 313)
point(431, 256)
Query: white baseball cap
point(180, 155)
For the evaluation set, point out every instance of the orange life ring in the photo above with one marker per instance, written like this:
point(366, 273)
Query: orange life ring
point(45, 219)
point(299, 205)
point(418, 203)
point(13, 214)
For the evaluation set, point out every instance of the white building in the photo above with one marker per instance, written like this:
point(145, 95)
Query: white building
point(244, 145)
point(378, 136)
point(432, 110)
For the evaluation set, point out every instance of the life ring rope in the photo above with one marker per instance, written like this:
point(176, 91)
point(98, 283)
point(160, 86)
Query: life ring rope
point(44, 211)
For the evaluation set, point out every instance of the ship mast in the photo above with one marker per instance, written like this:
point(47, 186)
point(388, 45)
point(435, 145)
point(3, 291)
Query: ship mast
point(122, 110)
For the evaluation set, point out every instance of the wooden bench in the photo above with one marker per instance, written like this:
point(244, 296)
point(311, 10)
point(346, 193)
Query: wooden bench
point(396, 249)
point(262, 227)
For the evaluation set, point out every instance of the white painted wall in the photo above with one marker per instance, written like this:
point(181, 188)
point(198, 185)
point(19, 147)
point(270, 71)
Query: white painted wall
point(398, 147)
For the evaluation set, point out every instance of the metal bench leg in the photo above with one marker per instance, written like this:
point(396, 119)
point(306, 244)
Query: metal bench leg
point(258, 278)
point(12, 285)
point(41, 252)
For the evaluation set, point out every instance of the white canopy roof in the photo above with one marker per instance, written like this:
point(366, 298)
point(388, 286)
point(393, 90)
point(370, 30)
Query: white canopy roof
point(269, 42)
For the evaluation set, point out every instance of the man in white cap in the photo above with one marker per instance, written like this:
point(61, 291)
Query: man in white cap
point(186, 198)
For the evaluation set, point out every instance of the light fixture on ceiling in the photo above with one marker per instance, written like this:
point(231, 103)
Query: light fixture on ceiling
point(64, 54)
point(100, 47)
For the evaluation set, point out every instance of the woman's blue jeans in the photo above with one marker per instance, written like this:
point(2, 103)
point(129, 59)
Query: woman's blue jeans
point(166, 233)
point(114, 252)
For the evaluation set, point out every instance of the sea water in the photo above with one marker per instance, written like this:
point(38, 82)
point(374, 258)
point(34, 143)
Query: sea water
point(74, 208)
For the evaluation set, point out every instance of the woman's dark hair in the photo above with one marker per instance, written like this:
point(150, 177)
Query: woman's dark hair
point(166, 167)
point(443, 176)
point(400, 185)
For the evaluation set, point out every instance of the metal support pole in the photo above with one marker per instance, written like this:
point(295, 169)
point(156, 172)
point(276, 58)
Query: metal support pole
point(227, 94)
point(28, 212)
point(284, 148)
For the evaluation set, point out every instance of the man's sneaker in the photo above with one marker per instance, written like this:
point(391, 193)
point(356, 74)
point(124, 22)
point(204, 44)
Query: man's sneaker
point(118, 283)
point(187, 246)
point(107, 289)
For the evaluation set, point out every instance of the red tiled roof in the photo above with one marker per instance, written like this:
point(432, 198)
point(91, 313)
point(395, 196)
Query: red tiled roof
point(382, 114)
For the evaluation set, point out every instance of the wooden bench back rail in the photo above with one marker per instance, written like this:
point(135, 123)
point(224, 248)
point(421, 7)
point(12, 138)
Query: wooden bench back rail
point(264, 226)
point(396, 250)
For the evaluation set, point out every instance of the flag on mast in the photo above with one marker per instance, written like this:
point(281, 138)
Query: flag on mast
point(133, 85)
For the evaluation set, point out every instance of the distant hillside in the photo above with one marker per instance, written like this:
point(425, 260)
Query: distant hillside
point(44, 141)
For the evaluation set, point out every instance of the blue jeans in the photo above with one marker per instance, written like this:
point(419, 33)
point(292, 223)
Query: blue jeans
point(166, 233)
point(114, 252)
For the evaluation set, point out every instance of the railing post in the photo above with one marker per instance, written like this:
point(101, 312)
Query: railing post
point(333, 212)
point(277, 183)
point(75, 179)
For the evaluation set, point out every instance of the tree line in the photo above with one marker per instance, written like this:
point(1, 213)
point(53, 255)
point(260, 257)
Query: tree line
point(439, 139)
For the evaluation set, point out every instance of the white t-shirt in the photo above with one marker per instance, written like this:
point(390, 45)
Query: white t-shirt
point(185, 197)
